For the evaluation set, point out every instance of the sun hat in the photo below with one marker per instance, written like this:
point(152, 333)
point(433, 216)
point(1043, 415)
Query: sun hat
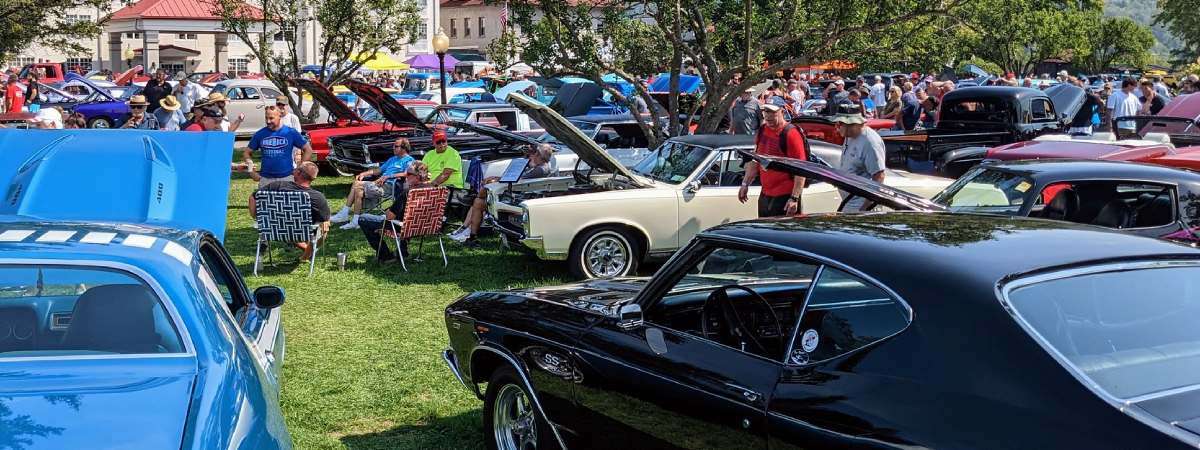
point(138, 100)
point(216, 97)
point(169, 103)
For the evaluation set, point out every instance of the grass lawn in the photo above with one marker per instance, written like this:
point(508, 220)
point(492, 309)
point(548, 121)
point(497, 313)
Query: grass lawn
point(363, 368)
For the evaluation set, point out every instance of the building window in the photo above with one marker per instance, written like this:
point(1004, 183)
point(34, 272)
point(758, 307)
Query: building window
point(239, 65)
point(21, 61)
point(422, 31)
point(466, 27)
point(482, 30)
point(172, 68)
point(77, 18)
point(285, 34)
point(80, 65)
point(133, 35)
point(453, 28)
point(185, 37)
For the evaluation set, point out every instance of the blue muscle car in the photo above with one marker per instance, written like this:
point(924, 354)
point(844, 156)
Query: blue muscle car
point(123, 321)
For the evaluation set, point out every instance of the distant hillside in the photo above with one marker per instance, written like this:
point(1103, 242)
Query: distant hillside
point(1143, 11)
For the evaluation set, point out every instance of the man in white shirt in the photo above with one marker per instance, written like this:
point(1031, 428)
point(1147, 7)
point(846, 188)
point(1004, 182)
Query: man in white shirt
point(1124, 103)
point(863, 153)
point(289, 119)
point(795, 95)
point(187, 93)
point(879, 94)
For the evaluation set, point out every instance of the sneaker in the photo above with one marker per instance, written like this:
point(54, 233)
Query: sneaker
point(341, 216)
point(460, 235)
point(471, 242)
point(352, 224)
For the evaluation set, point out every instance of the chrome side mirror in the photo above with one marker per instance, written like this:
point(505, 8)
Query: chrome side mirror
point(692, 187)
point(629, 316)
point(268, 297)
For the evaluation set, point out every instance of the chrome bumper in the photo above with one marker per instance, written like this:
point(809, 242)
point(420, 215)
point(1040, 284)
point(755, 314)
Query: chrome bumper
point(451, 360)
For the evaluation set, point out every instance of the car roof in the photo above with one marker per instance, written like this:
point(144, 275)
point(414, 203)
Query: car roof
point(1088, 168)
point(1005, 92)
point(716, 140)
point(912, 252)
point(138, 245)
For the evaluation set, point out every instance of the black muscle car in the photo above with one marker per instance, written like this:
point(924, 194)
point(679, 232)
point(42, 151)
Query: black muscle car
point(972, 120)
point(829, 331)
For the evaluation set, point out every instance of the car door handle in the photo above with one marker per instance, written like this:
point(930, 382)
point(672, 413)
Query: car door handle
point(748, 394)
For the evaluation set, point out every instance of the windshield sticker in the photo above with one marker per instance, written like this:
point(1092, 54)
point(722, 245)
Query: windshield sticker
point(809, 341)
point(1024, 186)
point(799, 357)
point(677, 178)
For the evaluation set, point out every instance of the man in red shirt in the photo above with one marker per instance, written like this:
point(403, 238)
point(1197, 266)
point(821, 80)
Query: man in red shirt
point(208, 118)
point(14, 97)
point(780, 191)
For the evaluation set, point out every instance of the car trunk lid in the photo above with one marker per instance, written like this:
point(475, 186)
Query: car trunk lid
point(327, 100)
point(569, 135)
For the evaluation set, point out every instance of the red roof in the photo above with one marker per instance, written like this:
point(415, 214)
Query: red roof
point(175, 9)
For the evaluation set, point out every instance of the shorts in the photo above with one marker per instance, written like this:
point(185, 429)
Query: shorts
point(769, 206)
point(374, 191)
point(266, 180)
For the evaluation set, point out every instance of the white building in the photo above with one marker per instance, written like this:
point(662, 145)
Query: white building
point(184, 35)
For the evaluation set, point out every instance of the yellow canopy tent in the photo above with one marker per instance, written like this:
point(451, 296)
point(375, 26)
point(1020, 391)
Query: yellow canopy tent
point(380, 61)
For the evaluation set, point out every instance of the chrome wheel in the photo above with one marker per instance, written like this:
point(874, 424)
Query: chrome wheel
point(607, 255)
point(513, 420)
point(101, 123)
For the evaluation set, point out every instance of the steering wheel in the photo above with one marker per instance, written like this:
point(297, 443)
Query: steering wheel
point(739, 329)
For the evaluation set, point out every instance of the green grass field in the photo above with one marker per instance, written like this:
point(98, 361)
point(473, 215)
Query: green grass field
point(363, 368)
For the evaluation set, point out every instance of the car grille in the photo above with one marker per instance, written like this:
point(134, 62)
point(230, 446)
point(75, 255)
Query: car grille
point(350, 151)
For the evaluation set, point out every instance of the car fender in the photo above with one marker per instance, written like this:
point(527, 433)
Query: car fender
point(961, 156)
point(523, 373)
point(652, 214)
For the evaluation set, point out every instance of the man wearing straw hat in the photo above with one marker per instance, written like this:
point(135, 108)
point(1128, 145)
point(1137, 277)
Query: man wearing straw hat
point(218, 100)
point(139, 119)
point(169, 113)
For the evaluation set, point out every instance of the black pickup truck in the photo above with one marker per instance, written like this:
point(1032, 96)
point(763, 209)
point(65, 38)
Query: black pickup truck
point(973, 119)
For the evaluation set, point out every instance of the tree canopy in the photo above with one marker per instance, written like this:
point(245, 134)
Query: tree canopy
point(52, 24)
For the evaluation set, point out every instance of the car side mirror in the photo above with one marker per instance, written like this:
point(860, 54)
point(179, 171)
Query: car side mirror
point(629, 316)
point(692, 187)
point(268, 297)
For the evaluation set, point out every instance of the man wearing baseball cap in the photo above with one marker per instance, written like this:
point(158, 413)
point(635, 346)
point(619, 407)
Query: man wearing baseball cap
point(444, 164)
point(205, 118)
point(781, 191)
point(863, 153)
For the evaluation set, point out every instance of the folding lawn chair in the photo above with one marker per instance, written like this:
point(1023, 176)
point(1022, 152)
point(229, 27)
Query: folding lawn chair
point(424, 215)
point(284, 216)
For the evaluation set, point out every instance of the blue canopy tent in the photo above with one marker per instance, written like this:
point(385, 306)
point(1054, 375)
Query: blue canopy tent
point(688, 84)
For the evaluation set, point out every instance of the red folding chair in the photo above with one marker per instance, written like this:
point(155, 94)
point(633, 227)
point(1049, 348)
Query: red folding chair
point(424, 215)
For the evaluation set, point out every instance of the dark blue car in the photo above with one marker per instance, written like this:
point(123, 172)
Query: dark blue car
point(123, 321)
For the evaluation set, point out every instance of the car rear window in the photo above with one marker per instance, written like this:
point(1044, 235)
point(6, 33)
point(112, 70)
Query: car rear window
point(1129, 330)
point(977, 110)
point(67, 311)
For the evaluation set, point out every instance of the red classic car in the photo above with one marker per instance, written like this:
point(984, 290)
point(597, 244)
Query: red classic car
point(343, 119)
point(822, 128)
point(1102, 146)
point(1179, 121)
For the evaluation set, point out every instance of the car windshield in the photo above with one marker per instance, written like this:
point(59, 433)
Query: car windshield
point(588, 129)
point(986, 191)
point(1131, 331)
point(673, 162)
point(69, 311)
point(443, 115)
point(976, 110)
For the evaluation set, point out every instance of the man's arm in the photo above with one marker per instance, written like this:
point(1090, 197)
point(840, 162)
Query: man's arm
point(446, 173)
point(306, 152)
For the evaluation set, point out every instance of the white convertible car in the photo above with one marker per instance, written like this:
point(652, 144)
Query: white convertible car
point(605, 218)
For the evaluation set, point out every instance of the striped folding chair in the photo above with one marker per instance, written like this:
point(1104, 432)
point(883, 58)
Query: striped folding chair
point(424, 215)
point(284, 216)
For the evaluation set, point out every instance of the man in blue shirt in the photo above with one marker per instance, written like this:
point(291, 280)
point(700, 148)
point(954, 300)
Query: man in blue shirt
point(387, 176)
point(910, 108)
point(276, 143)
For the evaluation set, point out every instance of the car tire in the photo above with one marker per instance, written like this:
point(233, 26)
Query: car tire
point(604, 252)
point(510, 420)
point(99, 122)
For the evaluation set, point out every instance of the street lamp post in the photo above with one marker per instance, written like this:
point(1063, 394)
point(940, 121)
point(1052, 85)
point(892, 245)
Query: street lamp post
point(129, 55)
point(440, 44)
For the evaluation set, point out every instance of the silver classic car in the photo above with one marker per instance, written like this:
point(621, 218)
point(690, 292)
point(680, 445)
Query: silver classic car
point(605, 218)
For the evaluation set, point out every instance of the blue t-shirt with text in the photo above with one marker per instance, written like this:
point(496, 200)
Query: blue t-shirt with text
point(276, 149)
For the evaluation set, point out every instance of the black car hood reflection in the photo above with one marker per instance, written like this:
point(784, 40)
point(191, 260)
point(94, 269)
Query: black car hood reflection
point(596, 295)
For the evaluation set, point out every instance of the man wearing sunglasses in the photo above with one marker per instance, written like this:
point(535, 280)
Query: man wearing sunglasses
point(387, 176)
point(138, 118)
point(289, 119)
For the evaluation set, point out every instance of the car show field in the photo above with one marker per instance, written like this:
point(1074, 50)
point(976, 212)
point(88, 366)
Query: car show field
point(363, 360)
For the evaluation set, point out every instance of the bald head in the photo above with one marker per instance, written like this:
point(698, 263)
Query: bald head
point(305, 173)
point(274, 118)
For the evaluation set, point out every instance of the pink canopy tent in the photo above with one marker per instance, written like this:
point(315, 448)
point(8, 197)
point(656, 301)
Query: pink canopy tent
point(430, 61)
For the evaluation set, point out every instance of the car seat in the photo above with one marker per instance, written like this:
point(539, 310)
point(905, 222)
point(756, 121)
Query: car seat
point(115, 318)
point(1115, 214)
point(1153, 210)
point(1064, 206)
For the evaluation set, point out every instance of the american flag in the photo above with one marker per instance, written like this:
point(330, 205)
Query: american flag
point(504, 17)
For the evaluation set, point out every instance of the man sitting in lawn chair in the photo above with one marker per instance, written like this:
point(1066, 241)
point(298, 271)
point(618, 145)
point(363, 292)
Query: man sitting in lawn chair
point(372, 192)
point(416, 177)
point(302, 177)
point(539, 157)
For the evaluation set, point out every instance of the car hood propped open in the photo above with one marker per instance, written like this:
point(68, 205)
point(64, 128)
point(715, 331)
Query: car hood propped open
point(564, 132)
point(173, 179)
point(327, 100)
point(391, 109)
point(855, 185)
